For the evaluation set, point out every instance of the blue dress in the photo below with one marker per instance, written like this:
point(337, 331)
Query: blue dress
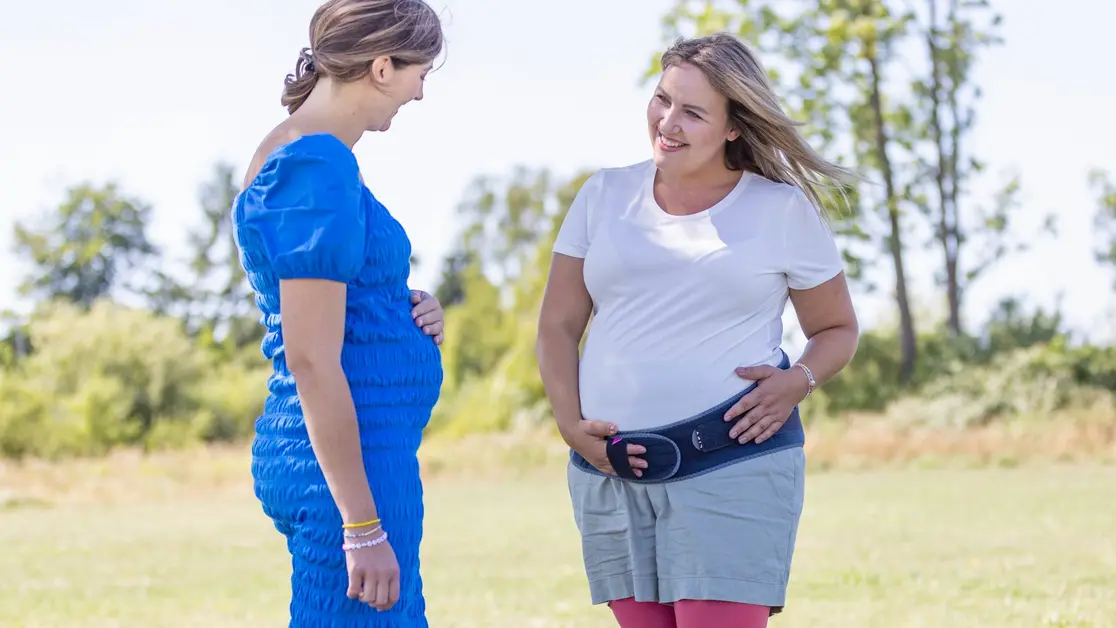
point(307, 214)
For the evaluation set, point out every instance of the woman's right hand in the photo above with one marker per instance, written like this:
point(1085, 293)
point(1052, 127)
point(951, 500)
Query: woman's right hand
point(373, 575)
point(589, 440)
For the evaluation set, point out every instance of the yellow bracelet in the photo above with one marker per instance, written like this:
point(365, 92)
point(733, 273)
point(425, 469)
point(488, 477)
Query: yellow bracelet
point(349, 526)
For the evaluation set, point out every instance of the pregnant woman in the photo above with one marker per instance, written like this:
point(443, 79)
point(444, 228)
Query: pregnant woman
point(687, 465)
point(356, 366)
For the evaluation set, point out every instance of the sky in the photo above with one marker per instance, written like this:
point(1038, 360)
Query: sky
point(152, 94)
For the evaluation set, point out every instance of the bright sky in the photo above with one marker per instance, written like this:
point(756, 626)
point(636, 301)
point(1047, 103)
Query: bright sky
point(151, 94)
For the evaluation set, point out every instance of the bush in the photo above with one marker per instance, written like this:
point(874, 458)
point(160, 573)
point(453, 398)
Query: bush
point(1032, 384)
point(114, 376)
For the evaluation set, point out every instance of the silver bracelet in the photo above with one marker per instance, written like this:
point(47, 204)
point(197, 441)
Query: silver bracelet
point(348, 547)
point(809, 377)
point(357, 535)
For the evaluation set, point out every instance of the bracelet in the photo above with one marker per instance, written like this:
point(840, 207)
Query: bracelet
point(809, 377)
point(349, 526)
point(348, 547)
point(357, 535)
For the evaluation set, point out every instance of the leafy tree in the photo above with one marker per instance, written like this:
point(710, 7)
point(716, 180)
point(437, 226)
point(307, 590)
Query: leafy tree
point(492, 285)
point(92, 244)
point(214, 299)
point(1105, 218)
point(946, 112)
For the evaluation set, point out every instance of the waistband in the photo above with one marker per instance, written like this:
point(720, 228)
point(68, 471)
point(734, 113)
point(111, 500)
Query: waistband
point(693, 446)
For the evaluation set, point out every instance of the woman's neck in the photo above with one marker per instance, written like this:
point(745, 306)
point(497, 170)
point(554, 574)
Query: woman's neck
point(331, 108)
point(684, 194)
point(711, 176)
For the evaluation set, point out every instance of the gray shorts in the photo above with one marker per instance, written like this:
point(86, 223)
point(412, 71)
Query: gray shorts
point(727, 535)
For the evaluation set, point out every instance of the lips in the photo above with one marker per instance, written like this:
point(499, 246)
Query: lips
point(670, 142)
point(668, 145)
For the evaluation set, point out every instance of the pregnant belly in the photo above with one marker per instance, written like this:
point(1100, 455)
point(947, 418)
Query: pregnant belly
point(650, 394)
point(405, 370)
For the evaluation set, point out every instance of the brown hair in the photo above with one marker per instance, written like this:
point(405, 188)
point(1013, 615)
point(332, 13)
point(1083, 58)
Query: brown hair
point(769, 142)
point(347, 35)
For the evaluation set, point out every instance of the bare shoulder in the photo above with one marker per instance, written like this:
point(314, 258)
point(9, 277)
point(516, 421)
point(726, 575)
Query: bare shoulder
point(280, 135)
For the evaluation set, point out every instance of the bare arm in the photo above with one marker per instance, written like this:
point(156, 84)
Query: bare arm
point(566, 306)
point(313, 321)
point(829, 323)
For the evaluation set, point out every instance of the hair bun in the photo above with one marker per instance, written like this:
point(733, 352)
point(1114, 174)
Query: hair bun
point(305, 63)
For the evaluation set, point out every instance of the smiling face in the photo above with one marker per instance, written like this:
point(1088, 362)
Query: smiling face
point(688, 122)
point(394, 86)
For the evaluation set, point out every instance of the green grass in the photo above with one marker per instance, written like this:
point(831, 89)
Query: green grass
point(911, 548)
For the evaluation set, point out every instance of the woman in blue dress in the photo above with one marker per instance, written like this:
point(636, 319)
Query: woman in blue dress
point(357, 369)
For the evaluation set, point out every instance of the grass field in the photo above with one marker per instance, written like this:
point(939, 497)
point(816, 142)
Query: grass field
point(888, 548)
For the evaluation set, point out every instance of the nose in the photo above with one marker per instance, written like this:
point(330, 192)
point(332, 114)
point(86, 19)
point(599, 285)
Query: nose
point(669, 122)
point(418, 95)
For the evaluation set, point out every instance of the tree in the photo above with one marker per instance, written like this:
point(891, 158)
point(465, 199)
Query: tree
point(89, 246)
point(947, 114)
point(215, 298)
point(1105, 219)
point(492, 284)
point(833, 60)
point(490, 277)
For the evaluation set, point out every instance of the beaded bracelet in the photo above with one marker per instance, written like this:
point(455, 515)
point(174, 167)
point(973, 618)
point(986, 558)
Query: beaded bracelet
point(348, 547)
point(357, 535)
point(809, 377)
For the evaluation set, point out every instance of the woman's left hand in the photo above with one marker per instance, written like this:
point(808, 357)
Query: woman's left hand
point(764, 410)
point(428, 315)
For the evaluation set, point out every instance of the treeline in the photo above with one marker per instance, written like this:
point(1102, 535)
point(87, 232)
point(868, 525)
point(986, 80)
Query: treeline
point(128, 347)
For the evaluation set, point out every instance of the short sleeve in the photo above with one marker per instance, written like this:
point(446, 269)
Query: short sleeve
point(810, 254)
point(573, 235)
point(306, 210)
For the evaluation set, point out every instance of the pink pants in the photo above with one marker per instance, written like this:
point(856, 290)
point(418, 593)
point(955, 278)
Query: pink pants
point(688, 614)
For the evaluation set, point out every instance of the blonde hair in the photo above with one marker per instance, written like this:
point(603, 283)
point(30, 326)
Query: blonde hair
point(769, 142)
point(347, 35)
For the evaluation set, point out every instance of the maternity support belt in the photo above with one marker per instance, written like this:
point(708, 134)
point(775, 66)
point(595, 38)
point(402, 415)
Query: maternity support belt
point(693, 446)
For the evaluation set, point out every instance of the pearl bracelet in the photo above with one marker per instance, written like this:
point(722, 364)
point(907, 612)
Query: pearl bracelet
point(348, 547)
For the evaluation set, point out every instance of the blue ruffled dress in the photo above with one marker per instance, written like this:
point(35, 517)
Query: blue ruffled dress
point(307, 214)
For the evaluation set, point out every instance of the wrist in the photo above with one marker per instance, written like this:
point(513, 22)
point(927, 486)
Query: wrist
point(360, 517)
point(568, 429)
point(360, 524)
point(568, 434)
point(809, 384)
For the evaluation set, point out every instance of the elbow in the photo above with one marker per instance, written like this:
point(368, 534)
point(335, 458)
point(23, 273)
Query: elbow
point(544, 338)
point(308, 364)
point(551, 335)
point(849, 335)
point(841, 340)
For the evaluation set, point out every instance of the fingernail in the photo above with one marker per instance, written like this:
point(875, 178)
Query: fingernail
point(612, 429)
point(418, 320)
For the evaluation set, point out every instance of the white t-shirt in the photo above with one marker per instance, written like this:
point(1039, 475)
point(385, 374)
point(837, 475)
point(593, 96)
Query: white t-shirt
point(681, 301)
